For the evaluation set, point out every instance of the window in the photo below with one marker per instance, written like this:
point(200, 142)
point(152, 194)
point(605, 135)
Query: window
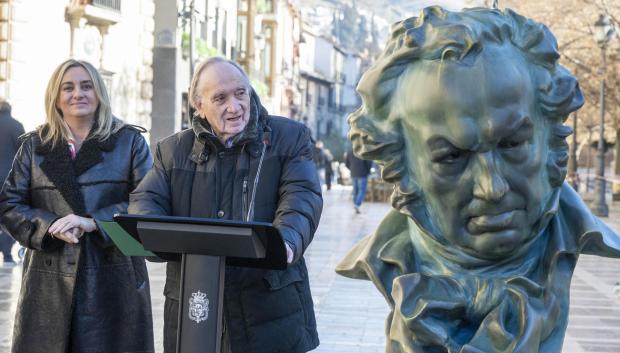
point(266, 52)
point(114, 5)
point(242, 5)
point(224, 21)
point(264, 6)
point(242, 26)
point(219, 35)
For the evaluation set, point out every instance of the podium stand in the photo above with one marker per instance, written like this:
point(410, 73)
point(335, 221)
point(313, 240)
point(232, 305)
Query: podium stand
point(206, 246)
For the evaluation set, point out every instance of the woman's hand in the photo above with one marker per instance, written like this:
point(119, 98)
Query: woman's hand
point(72, 236)
point(70, 228)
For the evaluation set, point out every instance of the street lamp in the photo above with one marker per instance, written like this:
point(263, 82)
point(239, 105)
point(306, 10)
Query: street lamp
point(572, 160)
point(603, 32)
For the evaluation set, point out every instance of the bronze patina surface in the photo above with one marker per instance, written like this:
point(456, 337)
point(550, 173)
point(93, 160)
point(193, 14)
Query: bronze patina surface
point(465, 112)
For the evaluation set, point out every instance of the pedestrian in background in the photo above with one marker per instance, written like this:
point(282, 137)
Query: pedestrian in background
point(360, 169)
point(78, 292)
point(214, 171)
point(323, 160)
point(329, 170)
point(10, 130)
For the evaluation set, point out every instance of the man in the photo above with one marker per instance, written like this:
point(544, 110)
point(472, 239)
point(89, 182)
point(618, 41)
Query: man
point(360, 169)
point(323, 160)
point(329, 170)
point(210, 171)
point(465, 111)
point(10, 130)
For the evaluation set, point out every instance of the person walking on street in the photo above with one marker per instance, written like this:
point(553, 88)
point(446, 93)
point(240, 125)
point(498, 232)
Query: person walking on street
point(10, 130)
point(79, 293)
point(323, 159)
point(236, 156)
point(360, 169)
point(329, 171)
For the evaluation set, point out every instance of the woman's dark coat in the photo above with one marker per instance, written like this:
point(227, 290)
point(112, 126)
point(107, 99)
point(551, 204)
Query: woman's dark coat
point(105, 305)
point(266, 311)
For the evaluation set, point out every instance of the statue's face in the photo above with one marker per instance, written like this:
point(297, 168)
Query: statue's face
point(476, 145)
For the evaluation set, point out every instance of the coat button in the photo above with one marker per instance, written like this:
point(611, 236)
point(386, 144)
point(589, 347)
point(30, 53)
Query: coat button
point(48, 262)
point(220, 214)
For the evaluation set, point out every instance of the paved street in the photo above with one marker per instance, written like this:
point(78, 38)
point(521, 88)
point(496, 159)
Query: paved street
point(350, 313)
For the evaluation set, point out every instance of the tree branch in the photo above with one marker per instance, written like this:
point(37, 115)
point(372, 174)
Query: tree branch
point(581, 65)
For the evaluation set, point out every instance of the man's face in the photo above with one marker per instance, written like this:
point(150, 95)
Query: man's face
point(476, 144)
point(224, 99)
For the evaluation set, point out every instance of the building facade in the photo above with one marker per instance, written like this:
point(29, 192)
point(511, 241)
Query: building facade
point(186, 32)
point(115, 36)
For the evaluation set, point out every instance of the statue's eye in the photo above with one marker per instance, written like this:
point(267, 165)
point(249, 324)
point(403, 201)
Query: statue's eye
point(507, 144)
point(451, 157)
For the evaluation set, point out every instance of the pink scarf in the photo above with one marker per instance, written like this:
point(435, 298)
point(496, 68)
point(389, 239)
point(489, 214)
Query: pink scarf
point(70, 141)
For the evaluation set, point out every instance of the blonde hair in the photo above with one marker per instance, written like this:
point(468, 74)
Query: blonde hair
point(193, 87)
point(105, 124)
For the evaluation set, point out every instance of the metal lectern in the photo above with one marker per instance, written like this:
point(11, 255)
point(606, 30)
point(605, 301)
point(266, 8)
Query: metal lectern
point(205, 247)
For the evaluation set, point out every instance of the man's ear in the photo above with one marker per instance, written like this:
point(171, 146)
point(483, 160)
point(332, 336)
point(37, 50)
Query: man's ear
point(197, 103)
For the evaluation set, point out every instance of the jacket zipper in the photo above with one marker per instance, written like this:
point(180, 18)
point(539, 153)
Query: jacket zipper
point(245, 199)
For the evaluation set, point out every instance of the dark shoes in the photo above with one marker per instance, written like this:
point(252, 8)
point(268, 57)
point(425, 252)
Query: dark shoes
point(357, 210)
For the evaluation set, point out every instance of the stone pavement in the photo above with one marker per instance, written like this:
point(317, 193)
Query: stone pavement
point(351, 313)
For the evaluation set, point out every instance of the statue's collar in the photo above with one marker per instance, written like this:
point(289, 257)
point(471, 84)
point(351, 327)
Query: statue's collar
point(439, 257)
point(389, 252)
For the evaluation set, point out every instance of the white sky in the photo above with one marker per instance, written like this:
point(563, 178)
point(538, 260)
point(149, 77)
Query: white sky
point(447, 4)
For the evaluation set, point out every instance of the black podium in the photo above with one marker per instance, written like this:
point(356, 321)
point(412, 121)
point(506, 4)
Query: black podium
point(205, 246)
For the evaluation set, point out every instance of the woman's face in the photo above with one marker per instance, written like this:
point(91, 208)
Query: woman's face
point(77, 98)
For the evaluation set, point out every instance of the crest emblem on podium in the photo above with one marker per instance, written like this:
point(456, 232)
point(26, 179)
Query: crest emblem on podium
point(198, 307)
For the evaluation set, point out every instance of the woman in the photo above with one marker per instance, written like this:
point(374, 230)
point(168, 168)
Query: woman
point(79, 293)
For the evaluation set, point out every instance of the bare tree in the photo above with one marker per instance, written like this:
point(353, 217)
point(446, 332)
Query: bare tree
point(572, 22)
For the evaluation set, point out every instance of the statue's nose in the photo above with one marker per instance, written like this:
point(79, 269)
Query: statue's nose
point(490, 184)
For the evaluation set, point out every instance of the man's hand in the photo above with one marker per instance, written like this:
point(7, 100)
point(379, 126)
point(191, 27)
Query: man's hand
point(289, 253)
point(70, 228)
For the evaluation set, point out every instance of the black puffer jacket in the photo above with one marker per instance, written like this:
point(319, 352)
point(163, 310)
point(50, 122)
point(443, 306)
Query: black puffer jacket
point(88, 292)
point(195, 175)
point(10, 130)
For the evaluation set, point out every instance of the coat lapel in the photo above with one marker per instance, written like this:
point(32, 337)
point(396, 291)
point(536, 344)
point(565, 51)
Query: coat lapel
point(91, 154)
point(58, 168)
point(63, 172)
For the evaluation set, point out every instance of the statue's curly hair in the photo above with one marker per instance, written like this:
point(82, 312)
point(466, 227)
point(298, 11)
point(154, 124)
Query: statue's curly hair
point(438, 34)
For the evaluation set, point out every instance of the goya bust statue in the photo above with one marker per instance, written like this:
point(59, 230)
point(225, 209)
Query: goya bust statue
point(465, 112)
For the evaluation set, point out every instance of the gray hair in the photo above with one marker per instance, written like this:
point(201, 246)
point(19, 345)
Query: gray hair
point(193, 88)
point(443, 35)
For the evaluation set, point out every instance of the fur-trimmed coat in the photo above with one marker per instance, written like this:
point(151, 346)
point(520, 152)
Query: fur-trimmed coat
point(84, 297)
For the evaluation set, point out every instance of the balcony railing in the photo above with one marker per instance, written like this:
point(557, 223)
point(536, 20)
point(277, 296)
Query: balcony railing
point(97, 12)
point(114, 5)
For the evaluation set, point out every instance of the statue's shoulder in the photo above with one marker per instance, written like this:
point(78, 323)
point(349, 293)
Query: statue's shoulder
point(382, 255)
point(585, 232)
